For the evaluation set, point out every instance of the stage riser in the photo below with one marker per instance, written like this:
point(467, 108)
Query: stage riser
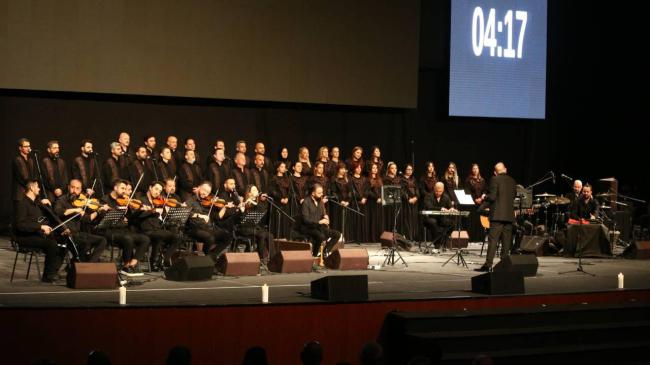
point(522, 338)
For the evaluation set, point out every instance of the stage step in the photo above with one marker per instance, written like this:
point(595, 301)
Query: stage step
point(532, 336)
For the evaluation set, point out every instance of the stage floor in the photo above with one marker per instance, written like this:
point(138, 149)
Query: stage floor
point(423, 278)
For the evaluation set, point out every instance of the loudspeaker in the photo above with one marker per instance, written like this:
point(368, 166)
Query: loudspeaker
point(239, 264)
point(341, 288)
point(386, 240)
point(639, 250)
point(526, 264)
point(534, 244)
point(86, 275)
point(291, 262)
point(191, 268)
point(499, 283)
point(348, 259)
point(459, 239)
point(283, 245)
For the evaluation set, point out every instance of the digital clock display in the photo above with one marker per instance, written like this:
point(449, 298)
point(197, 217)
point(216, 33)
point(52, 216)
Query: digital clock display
point(498, 58)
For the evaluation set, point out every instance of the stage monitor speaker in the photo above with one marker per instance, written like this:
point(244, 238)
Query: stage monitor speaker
point(499, 283)
point(526, 264)
point(86, 275)
point(191, 268)
point(386, 240)
point(284, 245)
point(639, 250)
point(341, 288)
point(239, 264)
point(348, 259)
point(534, 244)
point(458, 239)
point(291, 262)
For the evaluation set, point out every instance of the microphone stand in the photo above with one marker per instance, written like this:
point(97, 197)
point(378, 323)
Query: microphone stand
point(293, 193)
point(580, 252)
point(99, 174)
point(355, 196)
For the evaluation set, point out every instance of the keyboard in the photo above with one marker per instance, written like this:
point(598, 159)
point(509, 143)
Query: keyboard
point(462, 213)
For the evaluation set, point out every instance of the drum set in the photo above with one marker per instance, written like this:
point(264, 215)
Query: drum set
point(551, 212)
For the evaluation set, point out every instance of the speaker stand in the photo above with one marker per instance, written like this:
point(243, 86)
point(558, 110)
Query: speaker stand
point(460, 259)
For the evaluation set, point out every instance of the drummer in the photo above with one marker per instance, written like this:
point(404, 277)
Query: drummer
point(584, 206)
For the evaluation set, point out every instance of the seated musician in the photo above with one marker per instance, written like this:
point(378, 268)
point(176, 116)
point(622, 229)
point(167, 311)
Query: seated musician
point(230, 213)
point(123, 236)
point(315, 222)
point(90, 246)
point(584, 207)
point(575, 193)
point(150, 224)
point(31, 232)
point(438, 201)
point(254, 202)
point(210, 239)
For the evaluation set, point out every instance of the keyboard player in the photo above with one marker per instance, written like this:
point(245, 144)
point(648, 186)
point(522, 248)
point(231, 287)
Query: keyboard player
point(437, 201)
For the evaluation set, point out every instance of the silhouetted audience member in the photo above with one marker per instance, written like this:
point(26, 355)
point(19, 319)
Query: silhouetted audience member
point(371, 354)
point(97, 357)
point(179, 355)
point(255, 355)
point(312, 353)
point(482, 359)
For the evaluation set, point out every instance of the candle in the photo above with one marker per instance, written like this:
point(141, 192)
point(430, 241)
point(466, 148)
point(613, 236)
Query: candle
point(122, 295)
point(265, 293)
point(620, 280)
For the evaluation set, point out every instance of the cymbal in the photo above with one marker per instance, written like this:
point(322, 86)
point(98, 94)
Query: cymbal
point(545, 195)
point(604, 207)
point(603, 195)
point(560, 200)
point(623, 204)
point(610, 179)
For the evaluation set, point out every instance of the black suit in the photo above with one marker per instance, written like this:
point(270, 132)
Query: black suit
point(501, 200)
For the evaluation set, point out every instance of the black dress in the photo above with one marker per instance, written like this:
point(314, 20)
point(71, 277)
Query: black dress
point(376, 224)
point(359, 228)
point(299, 193)
point(340, 218)
point(427, 185)
point(476, 187)
point(280, 188)
point(409, 215)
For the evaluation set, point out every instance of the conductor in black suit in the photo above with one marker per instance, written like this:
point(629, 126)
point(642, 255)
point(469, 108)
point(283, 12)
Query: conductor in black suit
point(500, 198)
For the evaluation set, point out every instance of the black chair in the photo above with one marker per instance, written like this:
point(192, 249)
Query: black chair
point(294, 231)
point(33, 253)
point(239, 238)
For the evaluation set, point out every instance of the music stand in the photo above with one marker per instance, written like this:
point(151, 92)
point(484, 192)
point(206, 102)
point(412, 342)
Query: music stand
point(391, 195)
point(177, 217)
point(112, 219)
point(254, 218)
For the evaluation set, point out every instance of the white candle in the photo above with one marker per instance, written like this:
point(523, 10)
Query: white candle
point(620, 280)
point(122, 295)
point(265, 293)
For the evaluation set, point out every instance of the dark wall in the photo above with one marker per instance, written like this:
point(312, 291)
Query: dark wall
point(591, 130)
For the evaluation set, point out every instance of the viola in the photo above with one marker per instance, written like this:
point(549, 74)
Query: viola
point(83, 201)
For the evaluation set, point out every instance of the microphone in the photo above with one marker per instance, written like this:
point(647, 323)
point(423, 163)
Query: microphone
point(400, 173)
point(566, 177)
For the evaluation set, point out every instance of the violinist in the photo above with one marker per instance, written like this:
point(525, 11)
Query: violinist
point(134, 245)
point(150, 223)
point(210, 239)
point(315, 222)
point(31, 231)
point(90, 246)
point(229, 214)
point(254, 202)
point(169, 192)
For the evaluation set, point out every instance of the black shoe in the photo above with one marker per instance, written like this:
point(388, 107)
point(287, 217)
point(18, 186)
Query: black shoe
point(51, 278)
point(484, 268)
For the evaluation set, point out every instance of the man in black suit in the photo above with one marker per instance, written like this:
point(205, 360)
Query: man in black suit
point(501, 200)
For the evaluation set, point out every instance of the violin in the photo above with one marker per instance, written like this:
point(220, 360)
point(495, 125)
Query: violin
point(212, 200)
point(83, 201)
point(162, 202)
point(133, 203)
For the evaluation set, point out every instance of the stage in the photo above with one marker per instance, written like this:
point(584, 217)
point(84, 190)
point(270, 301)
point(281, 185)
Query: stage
point(424, 278)
point(222, 317)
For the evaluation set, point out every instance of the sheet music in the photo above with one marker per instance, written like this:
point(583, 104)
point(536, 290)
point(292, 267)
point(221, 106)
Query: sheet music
point(463, 199)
